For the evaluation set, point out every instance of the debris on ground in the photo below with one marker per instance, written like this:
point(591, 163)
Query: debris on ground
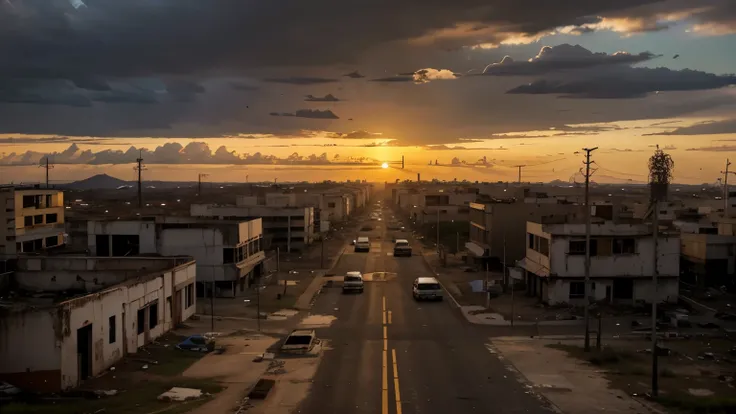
point(261, 389)
point(181, 394)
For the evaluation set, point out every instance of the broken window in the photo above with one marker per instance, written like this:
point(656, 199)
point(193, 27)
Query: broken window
point(227, 255)
point(51, 218)
point(531, 241)
point(624, 246)
point(331, 205)
point(38, 219)
point(125, 245)
point(577, 290)
point(577, 247)
point(52, 241)
point(49, 200)
point(111, 330)
point(189, 296)
point(141, 321)
point(153, 315)
point(544, 246)
point(28, 221)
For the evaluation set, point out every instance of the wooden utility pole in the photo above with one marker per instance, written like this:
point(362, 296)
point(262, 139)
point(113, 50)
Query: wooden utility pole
point(140, 167)
point(725, 187)
point(519, 167)
point(655, 298)
point(47, 167)
point(199, 182)
point(587, 162)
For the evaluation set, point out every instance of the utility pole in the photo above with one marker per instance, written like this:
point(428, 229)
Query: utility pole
point(655, 298)
point(140, 167)
point(47, 167)
point(504, 277)
point(200, 176)
point(438, 231)
point(487, 289)
point(519, 167)
point(402, 162)
point(212, 305)
point(322, 259)
point(725, 187)
point(586, 289)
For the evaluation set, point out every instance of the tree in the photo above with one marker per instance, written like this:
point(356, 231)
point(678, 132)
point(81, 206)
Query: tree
point(661, 166)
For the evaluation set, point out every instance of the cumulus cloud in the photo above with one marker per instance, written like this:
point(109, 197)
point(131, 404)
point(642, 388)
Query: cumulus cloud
point(444, 147)
point(301, 80)
point(626, 82)
point(172, 153)
point(327, 98)
point(429, 74)
point(562, 57)
point(309, 113)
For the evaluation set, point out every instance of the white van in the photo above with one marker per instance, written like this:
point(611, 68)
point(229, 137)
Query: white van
point(363, 244)
point(427, 288)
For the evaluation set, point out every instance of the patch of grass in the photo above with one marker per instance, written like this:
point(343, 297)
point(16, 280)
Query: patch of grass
point(137, 398)
point(711, 405)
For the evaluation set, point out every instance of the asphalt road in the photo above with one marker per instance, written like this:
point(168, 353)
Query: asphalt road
point(387, 353)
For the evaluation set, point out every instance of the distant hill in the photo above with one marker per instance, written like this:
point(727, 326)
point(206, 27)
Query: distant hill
point(99, 181)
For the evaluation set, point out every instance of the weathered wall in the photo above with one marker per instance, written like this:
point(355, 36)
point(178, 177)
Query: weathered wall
point(146, 230)
point(29, 354)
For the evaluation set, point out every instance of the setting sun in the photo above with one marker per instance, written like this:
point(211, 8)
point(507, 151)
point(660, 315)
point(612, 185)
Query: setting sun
point(384, 165)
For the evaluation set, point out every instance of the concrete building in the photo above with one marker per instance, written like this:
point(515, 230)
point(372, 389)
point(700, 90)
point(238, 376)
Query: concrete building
point(622, 263)
point(71, 318)
point(499, 223)
point(228, 253)
point(288, 228)
point(709, 260)
point(31, 219)
point(432, 204)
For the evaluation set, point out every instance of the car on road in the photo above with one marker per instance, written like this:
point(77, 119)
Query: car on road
point(428, 288)
point(352, 282)
point(363, 244)
point(402, 248)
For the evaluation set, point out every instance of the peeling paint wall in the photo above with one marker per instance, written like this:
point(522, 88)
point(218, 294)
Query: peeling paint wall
point(146, 230)
point(43, 340)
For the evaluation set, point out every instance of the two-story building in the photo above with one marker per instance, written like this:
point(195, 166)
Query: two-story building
point(31, 219)
point(228, 253)
point(498, 228)
point(287, 228)
point(621, 263)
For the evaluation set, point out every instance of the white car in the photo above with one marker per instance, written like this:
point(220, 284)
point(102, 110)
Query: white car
point(352, 282)
point(363, 244)
point(427, 288)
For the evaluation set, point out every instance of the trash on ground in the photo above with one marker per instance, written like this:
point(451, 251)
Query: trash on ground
point(180, 394)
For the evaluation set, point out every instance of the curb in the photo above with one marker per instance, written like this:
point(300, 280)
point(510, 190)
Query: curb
point(431, 269)
point(697, 304)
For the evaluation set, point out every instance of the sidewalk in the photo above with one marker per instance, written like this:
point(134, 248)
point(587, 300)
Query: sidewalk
point(574, 387)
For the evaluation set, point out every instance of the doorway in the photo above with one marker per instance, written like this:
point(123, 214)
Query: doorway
point(84, 352)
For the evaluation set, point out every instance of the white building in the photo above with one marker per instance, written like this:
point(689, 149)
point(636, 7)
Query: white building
point(71, 318)
point(228, 253)
point(432, 205)
point(289, 228)
point(31, 219)
point(622, 263)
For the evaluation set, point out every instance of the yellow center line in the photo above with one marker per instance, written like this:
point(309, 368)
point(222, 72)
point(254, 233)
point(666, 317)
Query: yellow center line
point(396, 381)
point(384, 303)
point(384, 317)
point(384, 387)
point(389, 317)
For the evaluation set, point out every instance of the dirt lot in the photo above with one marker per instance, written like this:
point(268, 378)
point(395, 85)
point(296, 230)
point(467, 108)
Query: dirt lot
point(135, 389)
point(697, 376)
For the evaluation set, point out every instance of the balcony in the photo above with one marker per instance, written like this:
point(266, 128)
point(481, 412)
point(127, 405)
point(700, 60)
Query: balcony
point(39, 229)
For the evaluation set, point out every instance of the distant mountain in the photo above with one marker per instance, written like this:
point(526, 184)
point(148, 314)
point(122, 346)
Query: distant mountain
point(99, 181)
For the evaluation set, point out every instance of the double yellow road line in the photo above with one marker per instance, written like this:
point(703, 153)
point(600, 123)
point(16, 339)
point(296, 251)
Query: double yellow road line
point(384, 372)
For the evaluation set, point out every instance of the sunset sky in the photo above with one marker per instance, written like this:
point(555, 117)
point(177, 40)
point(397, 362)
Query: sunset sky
point(325, 89)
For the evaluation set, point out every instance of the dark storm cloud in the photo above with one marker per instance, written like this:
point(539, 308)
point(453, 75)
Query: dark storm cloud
point(327, 98)
point(626, 83)
point(300, 80)
point(144, 38)
point(308, 113)
point(91, 83)
point(562, 57)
